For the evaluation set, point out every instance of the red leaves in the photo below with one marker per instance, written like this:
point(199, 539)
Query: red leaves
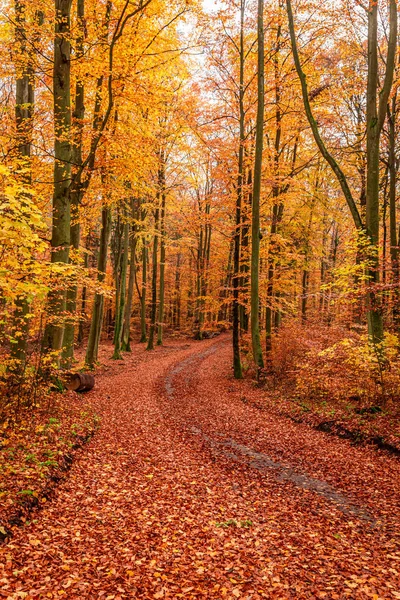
point(137, 516)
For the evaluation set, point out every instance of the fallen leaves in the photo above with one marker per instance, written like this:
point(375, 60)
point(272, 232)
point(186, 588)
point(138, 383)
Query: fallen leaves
point(34, 452)
point(137, 516)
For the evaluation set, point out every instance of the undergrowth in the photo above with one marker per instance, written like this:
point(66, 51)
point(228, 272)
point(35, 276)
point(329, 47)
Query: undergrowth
point(37, 440)
point(319, 374)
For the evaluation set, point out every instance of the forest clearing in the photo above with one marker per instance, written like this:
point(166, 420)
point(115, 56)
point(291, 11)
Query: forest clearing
point(199, 299)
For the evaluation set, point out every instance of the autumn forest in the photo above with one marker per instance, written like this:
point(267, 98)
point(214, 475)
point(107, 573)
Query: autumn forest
point(199, 299)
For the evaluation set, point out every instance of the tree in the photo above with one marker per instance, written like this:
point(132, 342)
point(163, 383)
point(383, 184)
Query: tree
point(60, 240)
point(255, 227)
point(375, 119)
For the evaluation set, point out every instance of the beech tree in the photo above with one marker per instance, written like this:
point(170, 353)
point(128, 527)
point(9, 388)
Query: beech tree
point(375, 117)
point(255, 226)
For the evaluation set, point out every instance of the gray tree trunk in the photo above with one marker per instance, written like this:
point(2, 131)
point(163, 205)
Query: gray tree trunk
point(98, 305)
point(60, 240)
point(255, 226)
point(76, 192)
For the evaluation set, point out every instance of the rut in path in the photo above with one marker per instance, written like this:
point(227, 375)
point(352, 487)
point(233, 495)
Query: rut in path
point(154, 510)
point(257, 460)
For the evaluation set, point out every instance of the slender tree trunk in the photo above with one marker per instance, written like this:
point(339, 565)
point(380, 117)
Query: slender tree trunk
point(177, 302)
point(332, 263)
point(207, 254)
point(225, 286)
point(192, 284)
point(162, 272)
point(120, 306)
point(275, 198)
point(126, 338)
point(153, 312)
point(199, 284)
point(60, 241)
point(116, 255)
point(385, 203)
point(393, 234)
point(143, 337)
point(98, 305)
point(323, 268)
point(376, 113)
point(244, 260)
point(237, 365)
point(255, 229)
point(82, 318)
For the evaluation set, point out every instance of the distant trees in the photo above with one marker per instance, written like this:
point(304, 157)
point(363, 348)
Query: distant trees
point(376, 111)
point(187, 198)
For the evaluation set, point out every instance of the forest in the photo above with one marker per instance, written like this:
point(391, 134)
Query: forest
point(199, 216)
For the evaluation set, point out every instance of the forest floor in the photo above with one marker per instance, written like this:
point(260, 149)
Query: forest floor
point(187, 491)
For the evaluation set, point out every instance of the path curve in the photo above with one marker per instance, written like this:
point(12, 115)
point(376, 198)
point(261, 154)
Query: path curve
point(186, 492)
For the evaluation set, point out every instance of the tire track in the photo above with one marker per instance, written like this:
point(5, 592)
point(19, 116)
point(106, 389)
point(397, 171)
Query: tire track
point(233, 450)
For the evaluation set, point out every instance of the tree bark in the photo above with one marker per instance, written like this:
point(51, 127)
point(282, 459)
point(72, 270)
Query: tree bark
point(275, 199)
point(237, 365)
point(98, 305)
point(120, 306)
point(255, 227)
point(76, 192)
point(60, 240)
point(143, 327)
point(177, 302)
point(375, 119)
point(162, 270)
point(393, 233)
point(153, 312)
point(126, 337)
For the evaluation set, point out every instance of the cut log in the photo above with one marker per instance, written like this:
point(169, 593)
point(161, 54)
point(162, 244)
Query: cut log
point(79, 382)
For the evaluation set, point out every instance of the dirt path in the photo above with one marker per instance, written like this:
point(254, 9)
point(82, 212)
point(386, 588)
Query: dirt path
point(187, 492)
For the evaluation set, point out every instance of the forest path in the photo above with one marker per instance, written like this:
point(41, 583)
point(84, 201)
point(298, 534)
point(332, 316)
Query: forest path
point(187, 492)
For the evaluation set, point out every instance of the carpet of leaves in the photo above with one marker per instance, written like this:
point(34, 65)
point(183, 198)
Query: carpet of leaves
point(167, 502)
point(35, 449)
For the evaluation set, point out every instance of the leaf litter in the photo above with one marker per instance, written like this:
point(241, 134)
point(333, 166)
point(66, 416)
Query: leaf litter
point(141, 512)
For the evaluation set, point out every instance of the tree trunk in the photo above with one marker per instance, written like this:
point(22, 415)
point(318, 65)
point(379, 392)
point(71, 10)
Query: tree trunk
point(393, 234)
point(75, 193)
point(275, 199)
point(177, 303)
point(255, 228)
point(82, 318)
point(237, 365)
point(143, 337)
point(225, 286)
point(153, 312)
point(120, 306)
point(162, 272)
point(126, 338)
point(60, 240)
point(374, 313)
point(244, 259)
point(116, 257)
point(98, 306)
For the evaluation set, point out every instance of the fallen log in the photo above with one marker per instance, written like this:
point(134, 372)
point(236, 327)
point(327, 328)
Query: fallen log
point(79, 382)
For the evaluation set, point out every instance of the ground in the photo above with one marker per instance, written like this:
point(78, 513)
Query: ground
point(188, 491)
